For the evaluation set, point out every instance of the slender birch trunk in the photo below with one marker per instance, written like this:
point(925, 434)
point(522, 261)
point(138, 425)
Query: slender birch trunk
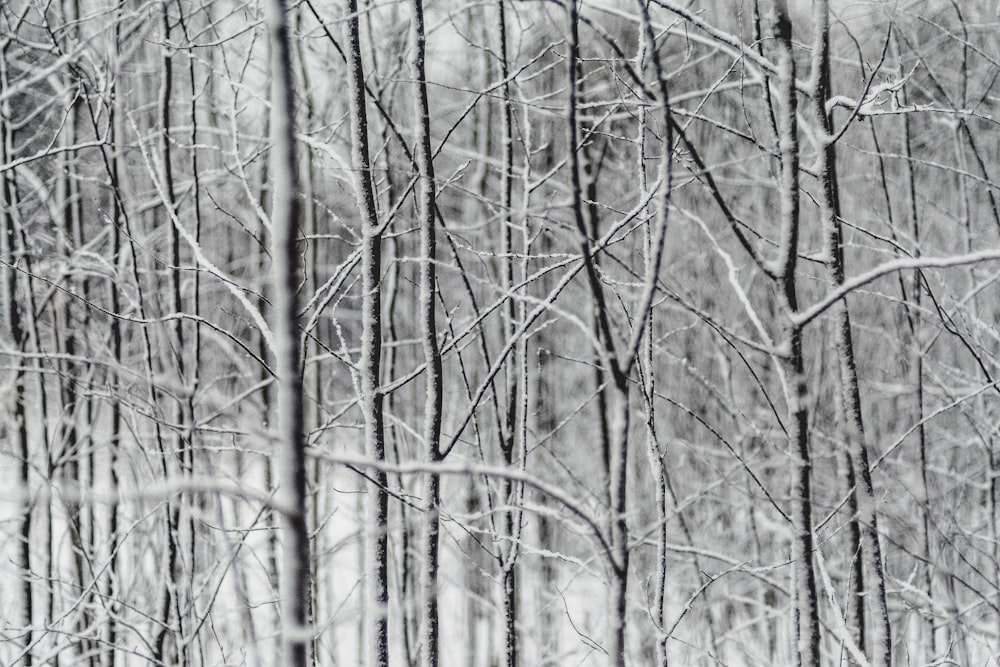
point(314, 347)
point(829, 205)
point(115, 299)
point(291, 494)
point(653, 450)
point(855, 605)
point(193, 364)
point(268, 391)
point(806, 611)
point(432, 354)
point(31, 332)
point(12, 315)
point(377, 579)
point(114, 439)
point(171, 591)
point(508, 490)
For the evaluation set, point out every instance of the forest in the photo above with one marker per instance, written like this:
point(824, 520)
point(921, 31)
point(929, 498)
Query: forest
point(482, 333)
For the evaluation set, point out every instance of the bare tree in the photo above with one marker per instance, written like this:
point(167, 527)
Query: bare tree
point(423, 153)
point(287, 346)
point(880, 638)
point(371, 397)
point(12, 316)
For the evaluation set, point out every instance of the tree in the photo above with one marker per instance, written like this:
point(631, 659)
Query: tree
point(287, 347)
point(371, 352)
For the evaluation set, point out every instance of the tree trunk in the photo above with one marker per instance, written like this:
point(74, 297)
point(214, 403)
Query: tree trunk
point(371, 398)
point(12, 314)
point(829, 205)
point(287, 273)
point(431, 349)
point(509, 490)
point(806, 607)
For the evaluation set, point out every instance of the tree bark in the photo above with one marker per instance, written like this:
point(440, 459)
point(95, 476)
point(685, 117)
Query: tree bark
point(287, 273)
point(829, 205)
point(509, 490)
point(12, 315)
point(371, 399)
point(806, 612)
point(428, 334)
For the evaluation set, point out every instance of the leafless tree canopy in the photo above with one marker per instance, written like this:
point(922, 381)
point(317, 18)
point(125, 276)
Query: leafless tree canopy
point(515, 332)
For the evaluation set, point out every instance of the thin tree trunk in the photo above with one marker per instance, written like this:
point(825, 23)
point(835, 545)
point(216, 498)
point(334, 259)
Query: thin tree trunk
point(829, 205)
point(193, 364)
point(112, 167)
point(431, 349)
point(314, 347)
point(65, 341)
point(653, 450)
point(114, 439)
point(12, 314)
point(508, 490)
point(806, 608)
point(618, 423)
point(268, 391)
point(32, 333)
point(377, 579)
point(291, 494)
point(856, 602)
point(930, 643)
point(404, 574)
point(171, 590)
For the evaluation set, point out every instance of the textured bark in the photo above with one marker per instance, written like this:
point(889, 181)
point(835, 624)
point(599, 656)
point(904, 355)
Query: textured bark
point(653, 241)
point(508, 493)
point(866, 518)
point(657, 463)
point(171, 591)
point(287, 274)
point(376, 550)
point(618, 592)
point(12, 315)
point(855, 605)
point(114, 438)
point(41, 412)
point(806, 611)
point(190, 368)
point(430, 538)
point(117, 214)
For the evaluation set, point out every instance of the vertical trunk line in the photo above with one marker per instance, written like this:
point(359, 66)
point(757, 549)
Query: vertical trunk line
point(918, 373)
point(291, 495)
point(189, 419)
point(829, 205)
point(8, 246)
point(508, 557)
point(806, 613)
point(371, 352)
point(111, 164)
point(432, 353)
point(171, 593)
